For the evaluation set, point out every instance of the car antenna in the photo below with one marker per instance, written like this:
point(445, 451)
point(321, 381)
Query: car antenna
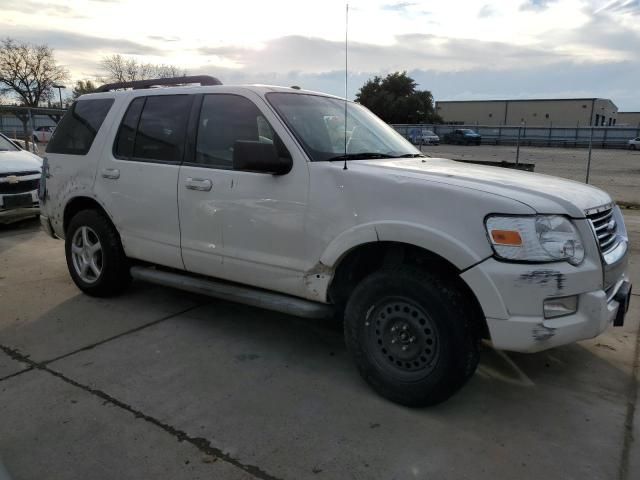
point(346, 79)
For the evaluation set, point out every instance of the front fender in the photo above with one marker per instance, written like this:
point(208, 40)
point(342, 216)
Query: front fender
point(460, 254)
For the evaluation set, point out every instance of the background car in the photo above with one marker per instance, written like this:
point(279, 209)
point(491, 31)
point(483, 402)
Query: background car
point(634, 144)
point(19, 181)
point(43, 134)
point(423, 137)
point(463, 136)
point(33, 146)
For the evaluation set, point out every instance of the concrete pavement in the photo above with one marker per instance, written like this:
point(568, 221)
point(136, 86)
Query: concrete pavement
point(162, 384)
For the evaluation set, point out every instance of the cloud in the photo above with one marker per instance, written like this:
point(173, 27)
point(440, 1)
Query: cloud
point(536, 5)
point(161, 38)
point(622, 6)
point(451, 68)
point(69, 41)
point(398, 6)
point(486, 11)
point(30, 7)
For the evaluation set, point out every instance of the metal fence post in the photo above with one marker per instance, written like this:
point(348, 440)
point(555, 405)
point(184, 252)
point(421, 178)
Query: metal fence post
point(589, 157)
point(518, 146)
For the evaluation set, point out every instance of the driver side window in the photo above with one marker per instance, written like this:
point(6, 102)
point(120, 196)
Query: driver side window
point(224, 120)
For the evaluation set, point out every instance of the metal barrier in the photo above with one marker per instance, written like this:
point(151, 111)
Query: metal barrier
point(580, 137)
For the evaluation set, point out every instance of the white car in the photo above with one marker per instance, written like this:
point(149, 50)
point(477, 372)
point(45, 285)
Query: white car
point(248, 193)
point(425, 137)
point(33, 146)
point(43, 134)
point(19, 180)
point(634, 144)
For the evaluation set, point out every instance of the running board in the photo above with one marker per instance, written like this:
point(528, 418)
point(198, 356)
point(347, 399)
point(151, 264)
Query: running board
point(234, 293)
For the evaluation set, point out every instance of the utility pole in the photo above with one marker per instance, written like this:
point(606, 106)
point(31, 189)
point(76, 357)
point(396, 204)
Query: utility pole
point(60, 87)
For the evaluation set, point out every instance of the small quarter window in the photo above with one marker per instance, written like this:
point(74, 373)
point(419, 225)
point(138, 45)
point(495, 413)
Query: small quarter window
point(127, 132)
point(79, 126)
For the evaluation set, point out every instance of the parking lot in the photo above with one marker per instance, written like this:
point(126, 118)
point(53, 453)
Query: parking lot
point(616, 171)
point(162, 384)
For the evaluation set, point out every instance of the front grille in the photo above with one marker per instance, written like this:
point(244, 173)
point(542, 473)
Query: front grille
point(22, 186)
point(605, 228)
point(20, 174)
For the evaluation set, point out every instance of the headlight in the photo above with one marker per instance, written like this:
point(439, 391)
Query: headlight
point(540, 238)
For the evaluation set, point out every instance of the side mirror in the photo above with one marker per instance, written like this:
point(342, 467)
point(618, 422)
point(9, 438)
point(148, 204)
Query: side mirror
point(260, 157)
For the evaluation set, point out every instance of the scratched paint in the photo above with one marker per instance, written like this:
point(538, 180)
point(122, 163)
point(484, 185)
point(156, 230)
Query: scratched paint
point(544, 277)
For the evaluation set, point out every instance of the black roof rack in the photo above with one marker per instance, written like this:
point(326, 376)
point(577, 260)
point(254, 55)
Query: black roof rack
point(155, 82)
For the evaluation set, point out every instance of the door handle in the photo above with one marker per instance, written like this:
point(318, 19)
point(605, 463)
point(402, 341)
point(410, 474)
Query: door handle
point(201, 184)
point(112, 173)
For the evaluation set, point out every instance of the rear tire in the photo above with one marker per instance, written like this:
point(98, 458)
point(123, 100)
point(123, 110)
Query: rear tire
point(95, 257)
point(410, 333)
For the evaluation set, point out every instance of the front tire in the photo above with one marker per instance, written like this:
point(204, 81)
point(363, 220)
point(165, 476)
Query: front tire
point(95, 258)
point(410, 333)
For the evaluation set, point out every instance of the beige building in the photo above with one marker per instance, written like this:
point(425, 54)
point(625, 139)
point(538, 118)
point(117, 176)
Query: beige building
point(630, 119)
point(569, 112)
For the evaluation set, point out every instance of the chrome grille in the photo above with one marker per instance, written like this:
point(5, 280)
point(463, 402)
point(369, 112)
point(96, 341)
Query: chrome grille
point(21, 186)
point(605, 228)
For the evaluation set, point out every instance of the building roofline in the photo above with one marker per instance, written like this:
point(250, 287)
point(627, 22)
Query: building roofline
point(526, 100)
point(628, 112)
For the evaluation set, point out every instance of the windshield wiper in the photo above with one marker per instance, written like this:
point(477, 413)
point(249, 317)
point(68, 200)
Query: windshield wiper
point(360, 156)
point(411, 155)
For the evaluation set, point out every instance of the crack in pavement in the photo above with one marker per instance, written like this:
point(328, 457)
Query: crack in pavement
point(122, 334)
point(632, 399)
point(15, 374)
point(200, 443)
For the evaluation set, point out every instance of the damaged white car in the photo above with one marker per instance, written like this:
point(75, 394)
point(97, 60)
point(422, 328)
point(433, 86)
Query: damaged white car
point(19, 180)
point(249, 193)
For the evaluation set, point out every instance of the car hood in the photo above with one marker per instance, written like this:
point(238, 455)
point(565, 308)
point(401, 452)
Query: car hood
point(543, 193)
point(471, 134)
point(20, 161)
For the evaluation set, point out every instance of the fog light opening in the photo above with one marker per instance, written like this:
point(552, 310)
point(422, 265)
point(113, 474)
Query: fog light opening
point(560, 306)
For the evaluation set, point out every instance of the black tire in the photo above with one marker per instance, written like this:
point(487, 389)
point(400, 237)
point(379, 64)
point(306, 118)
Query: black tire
point(444, 351)
point(114, 274)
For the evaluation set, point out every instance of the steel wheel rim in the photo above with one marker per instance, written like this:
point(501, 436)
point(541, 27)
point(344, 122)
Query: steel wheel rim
point(86, 254)
point(403, 337)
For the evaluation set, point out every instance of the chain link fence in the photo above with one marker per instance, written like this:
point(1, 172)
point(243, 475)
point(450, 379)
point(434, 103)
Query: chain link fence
point(601, 156)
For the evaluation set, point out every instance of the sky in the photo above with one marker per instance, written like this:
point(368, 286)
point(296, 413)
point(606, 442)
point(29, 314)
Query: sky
point(482, 49)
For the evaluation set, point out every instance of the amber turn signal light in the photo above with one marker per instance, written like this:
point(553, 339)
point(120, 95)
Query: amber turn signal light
point(506, 237)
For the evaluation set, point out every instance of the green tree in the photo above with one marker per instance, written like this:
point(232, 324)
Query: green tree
point(82, 87)
point(395, 99)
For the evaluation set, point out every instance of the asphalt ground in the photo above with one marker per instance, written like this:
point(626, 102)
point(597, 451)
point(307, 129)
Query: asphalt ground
point(616, 171)
point(157, 383)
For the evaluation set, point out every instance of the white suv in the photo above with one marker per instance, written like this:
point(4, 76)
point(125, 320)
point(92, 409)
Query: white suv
point(262, 195)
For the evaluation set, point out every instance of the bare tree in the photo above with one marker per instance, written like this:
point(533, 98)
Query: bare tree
point(117, 68)
point(28, 71)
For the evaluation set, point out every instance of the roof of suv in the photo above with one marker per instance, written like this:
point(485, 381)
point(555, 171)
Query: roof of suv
point(257, 88)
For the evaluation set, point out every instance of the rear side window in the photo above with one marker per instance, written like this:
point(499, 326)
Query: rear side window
point(127, 132)
point(153, 129)
point(79, 126)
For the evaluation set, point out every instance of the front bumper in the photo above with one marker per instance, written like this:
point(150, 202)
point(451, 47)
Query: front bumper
point(17, 214)
point(45, 224)
point(532, 334)
point(512, 297)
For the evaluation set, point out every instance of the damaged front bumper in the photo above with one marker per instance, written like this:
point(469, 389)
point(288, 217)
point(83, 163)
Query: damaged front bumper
point(513, 295)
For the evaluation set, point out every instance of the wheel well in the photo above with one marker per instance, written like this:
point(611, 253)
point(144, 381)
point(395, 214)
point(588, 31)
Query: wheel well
point(76, 205)
point(368, 258)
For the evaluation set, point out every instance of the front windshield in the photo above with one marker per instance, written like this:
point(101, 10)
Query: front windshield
point(466, 130)
point(6, 145)
point(318, 123)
